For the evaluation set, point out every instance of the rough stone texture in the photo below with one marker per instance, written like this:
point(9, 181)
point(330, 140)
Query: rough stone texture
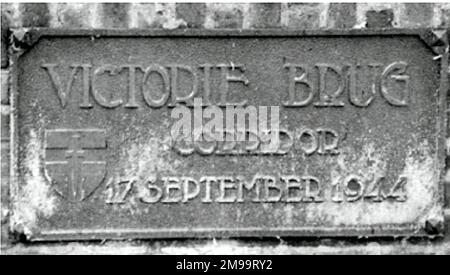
point(229, 247)
point(379, 19)
point(4, 40)
point(417, 15)
point(154, 15)
point(218, 16)
point(73, 15)
point(265, 15)
point(132, 145)
point(363, 8)
point(341, 15)
point(115, 15)
point(35, 15)
point(444, 16)
point(303, 16)
point(12, 10)
point(192, 13)
point(224, 16)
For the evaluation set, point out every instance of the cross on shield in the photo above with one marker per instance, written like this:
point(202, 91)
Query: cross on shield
point(74, 161)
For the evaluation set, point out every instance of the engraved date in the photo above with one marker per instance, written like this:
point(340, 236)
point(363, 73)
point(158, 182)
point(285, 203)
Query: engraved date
point(260, 189)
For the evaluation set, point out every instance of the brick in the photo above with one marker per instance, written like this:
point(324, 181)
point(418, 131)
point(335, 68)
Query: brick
point(5, 87)
point(145, 16)
point(303, 16)
point(341, 15)
point(229, 20)
point(227, 16)
point(444, 16)
point(265, 15)
point(363, 8)
point(417, 15)
point(115, 15)
point(154, 15)
point(193, 14)
point(379, 19)
point(35, 15)
point(339, 247)
point(12, 11)
point(73, 15)
point(4, 41)
point(232, 20)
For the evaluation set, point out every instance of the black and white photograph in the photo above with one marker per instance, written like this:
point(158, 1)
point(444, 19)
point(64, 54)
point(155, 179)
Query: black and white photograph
point(225, 128)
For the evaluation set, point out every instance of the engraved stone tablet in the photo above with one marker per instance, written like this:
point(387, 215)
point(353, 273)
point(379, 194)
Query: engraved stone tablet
point(359, 148)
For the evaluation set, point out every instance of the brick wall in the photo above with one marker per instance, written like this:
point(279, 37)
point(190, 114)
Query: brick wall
point(16, 16)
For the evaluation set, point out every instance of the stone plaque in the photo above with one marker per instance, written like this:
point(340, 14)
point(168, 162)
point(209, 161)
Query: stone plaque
point(358, 151)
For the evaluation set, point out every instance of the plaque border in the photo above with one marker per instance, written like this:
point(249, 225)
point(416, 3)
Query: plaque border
point(436, 43)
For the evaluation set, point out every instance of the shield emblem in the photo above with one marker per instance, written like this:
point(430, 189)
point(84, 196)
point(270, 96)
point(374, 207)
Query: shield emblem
point(74, 162)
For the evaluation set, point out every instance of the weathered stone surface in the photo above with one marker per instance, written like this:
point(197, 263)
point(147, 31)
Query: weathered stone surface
point(417, 15)
point(35, 15)
point(363, 8)
point(379, 19)
point(341, 15)
point(115, 15)
point(74, 15)
point(97, 160)
point(233, 247)
point(303, 16)
point(231, 19)
point(12, 11)
point(227, 16)
point(445, 16)
point(265, 15)
point(192, 13)
point(154, 15)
